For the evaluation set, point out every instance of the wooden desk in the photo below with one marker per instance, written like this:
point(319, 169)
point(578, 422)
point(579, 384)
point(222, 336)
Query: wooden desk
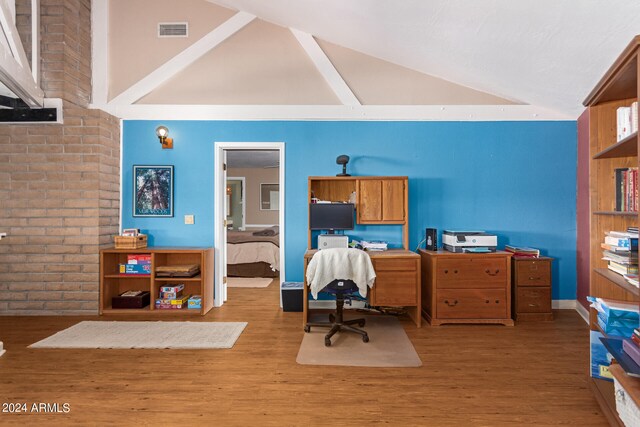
point(397, 282)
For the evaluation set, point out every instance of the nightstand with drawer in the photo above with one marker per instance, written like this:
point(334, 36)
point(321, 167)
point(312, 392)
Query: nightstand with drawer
point(531, 278)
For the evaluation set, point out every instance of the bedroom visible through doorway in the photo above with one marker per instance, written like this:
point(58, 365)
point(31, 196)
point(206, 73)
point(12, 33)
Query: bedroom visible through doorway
point(251, 220)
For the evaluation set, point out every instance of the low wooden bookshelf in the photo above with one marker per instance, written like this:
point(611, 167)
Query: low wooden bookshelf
point(113, 283)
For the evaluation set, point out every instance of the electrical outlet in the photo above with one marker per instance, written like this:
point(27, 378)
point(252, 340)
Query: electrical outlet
point(189, 219)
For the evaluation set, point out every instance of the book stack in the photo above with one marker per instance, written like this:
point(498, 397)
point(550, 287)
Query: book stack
point(621, 252)
point(137, 264)
point(522, 251)
point(171, 298)
point(627, 121)
point(626, 189)
point(615, 317)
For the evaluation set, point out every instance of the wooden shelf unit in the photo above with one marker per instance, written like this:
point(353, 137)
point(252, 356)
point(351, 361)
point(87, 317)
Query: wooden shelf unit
point(112, 283)
point(618, 88)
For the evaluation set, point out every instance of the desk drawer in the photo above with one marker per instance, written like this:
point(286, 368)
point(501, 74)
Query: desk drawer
point(471, 304)
point(397, 288)
point(533, 273)
point(533, 300)
point(471, 273)
point(395, 264)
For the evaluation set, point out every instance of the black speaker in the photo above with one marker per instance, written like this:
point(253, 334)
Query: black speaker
point(431, 239)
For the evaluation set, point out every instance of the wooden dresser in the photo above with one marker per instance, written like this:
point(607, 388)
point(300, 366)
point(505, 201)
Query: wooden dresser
point(466, 288)
point(531, 278)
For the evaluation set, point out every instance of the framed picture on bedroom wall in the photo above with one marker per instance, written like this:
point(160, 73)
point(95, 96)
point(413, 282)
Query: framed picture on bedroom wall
point(152, 191)
point(269, 197)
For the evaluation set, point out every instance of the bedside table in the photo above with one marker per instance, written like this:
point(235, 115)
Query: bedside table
point(531, 279)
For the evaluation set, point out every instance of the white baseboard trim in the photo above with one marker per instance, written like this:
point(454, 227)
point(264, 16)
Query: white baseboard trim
point(583, 312)
point(570, 304)
point(563, 304)
point(331, 305)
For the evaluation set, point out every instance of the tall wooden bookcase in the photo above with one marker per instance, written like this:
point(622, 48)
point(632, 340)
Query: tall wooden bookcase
point(619, 87)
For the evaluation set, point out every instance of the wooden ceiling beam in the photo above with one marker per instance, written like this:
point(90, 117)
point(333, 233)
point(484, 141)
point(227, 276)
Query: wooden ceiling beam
point(326, 68)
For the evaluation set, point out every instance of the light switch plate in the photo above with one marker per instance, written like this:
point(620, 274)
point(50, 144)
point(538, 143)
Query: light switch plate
point(189, 219)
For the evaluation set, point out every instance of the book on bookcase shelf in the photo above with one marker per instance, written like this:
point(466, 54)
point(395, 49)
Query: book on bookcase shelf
point(626, 186)
point(621, 253)
point(623, 268)
point(626, 121)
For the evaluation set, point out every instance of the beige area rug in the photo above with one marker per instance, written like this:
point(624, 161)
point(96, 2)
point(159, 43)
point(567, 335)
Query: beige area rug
point(388, 346)
point(248, 282)
point(183, 335)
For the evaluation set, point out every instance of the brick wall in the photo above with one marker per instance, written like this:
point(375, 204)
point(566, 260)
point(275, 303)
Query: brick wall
point(59, 184)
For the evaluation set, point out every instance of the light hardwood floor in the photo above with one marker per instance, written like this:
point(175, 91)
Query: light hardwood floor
point(530, 374)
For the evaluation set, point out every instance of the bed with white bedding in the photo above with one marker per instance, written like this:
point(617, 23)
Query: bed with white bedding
point(253, 253)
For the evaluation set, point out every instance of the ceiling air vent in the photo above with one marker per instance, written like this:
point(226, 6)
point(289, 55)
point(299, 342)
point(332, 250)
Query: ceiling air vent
point(173, 29)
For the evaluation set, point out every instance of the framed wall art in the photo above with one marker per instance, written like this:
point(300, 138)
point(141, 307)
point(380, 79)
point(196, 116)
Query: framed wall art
point(152, 191)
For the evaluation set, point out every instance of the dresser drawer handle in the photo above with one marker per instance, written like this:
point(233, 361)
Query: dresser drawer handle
point(455, 271)
point(446, 271)
point(497, 301)
point(451, 304)
point(495, 273)
point(534, 278)
point(533, 305)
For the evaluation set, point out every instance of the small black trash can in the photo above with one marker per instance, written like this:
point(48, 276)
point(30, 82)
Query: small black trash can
point(292, 296)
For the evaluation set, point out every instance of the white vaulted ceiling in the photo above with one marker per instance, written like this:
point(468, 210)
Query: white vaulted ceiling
point(547, 53)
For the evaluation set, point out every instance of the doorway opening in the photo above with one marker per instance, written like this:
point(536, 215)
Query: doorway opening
point(248, 216)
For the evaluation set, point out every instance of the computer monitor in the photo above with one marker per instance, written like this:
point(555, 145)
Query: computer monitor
point(331, 216)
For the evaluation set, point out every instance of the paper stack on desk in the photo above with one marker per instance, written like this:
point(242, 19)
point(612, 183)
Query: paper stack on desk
point(374, 245)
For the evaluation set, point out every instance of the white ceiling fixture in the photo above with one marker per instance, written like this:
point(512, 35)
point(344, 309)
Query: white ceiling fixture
point(547, 53)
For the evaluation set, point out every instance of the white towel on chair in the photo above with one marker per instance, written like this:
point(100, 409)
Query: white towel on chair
point(328, 265)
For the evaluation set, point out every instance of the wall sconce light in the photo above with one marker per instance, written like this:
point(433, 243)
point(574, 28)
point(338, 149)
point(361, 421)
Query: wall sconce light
point(163, 132)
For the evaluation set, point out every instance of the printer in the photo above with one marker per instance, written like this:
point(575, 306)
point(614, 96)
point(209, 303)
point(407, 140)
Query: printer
point(469, 241)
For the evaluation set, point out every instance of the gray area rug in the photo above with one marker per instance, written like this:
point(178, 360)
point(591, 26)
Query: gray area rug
point(388, 346)
point(184, 335)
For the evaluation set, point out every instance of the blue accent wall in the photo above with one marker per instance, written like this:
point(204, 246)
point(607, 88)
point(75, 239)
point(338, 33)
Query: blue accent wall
point(514, 179)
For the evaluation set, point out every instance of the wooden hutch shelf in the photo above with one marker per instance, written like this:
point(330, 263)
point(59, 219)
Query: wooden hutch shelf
point(618, 88)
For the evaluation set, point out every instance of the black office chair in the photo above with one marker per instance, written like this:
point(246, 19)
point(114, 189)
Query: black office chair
point(344, 290)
